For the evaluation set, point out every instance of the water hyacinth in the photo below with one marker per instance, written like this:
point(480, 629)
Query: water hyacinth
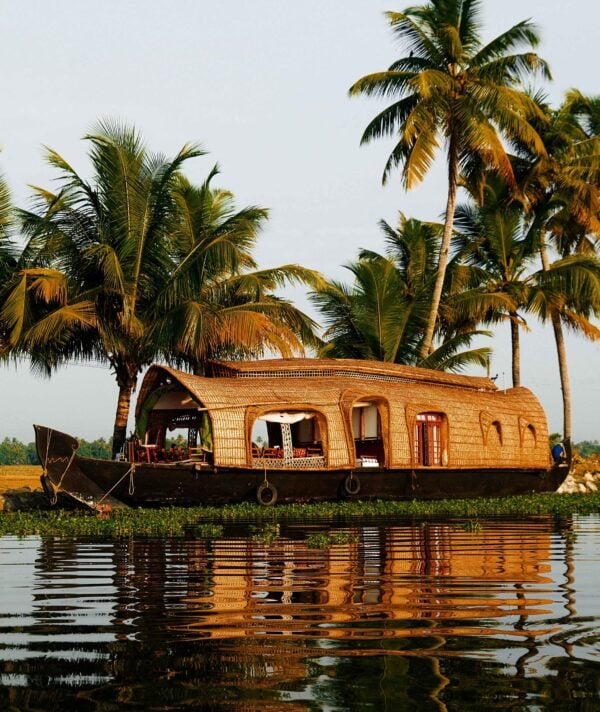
point(174, 522)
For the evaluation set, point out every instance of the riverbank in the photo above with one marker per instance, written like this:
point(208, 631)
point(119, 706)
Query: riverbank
point(584, 476)
point(23, 480)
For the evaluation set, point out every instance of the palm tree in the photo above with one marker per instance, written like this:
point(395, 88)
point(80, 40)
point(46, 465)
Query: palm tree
point(7, 252)
point(124, 244)
point(451, 88)
point(495, 240)
point(215, 303)
point(381, 316)
point(562, 189)
point(7, 256)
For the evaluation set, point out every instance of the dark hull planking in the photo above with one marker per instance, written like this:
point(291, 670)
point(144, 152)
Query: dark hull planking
point(94, 482)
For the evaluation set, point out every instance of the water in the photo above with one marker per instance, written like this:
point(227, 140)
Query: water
point(439, 616)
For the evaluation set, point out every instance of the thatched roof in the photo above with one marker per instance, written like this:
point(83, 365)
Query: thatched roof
point(346, 368)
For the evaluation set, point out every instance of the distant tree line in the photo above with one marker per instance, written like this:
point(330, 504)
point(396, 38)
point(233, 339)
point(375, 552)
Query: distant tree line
point(587, 448)
point(14, 452)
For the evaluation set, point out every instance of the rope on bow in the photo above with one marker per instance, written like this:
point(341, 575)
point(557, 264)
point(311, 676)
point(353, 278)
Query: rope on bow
point(56, 488)
point(130, 472)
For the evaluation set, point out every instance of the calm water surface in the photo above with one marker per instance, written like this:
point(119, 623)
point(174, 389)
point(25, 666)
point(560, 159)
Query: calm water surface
point(504, 614)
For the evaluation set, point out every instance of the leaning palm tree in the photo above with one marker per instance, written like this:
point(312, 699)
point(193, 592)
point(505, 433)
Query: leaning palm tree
point(451, 88)
point(119, 243)
point(382, 314)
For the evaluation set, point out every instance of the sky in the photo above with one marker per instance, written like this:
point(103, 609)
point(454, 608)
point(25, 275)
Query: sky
point(263, 86)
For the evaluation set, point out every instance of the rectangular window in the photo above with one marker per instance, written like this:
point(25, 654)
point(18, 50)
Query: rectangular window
point(428, 439)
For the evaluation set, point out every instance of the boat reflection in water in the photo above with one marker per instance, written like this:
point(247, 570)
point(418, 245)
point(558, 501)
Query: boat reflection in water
point(434, 616)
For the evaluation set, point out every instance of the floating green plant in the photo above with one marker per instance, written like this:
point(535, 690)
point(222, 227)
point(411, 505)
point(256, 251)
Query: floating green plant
point(265, 534)
point(472, 525)
point(178, 522)
point(208, 530)
point(325, 540)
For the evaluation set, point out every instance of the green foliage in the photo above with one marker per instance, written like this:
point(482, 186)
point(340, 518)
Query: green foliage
point(179, 522)
point(587, 448)
point(325, 540)
point(99, 448)
point(450, 82)
point(14, 452)
point(383, 314)
point(208, 530)
point(137, 266)
point(472, 525)
point(179, 441)
point(451, 89)
point(7, 248)
point(266, 533)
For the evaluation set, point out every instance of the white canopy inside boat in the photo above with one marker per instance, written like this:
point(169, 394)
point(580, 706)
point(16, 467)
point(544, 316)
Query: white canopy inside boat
point(286, 417)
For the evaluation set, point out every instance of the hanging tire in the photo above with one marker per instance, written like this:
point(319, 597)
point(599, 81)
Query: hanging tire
point(266, 494)
point(351, 485)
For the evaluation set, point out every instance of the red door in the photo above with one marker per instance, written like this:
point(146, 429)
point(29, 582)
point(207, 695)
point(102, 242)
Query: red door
point(428, 439)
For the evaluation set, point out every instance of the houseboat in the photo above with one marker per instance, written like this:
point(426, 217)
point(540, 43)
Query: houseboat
point(309, 430)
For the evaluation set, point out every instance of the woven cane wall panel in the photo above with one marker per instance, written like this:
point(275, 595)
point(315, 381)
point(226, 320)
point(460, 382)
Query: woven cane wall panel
point(521, 419)
point(228, 437)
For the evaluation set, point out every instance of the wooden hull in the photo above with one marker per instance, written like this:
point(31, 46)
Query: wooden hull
point(95, 482)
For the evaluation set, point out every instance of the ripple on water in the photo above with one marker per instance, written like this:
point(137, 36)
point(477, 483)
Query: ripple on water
point(435, 613)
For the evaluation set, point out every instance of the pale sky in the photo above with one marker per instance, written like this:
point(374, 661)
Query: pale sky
point(262, 85)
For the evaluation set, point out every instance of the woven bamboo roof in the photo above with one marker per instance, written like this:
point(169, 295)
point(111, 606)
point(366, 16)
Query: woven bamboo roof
point(368, 370)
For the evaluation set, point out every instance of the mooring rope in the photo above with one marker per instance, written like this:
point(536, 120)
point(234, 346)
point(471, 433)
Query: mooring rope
point(263, 460)
point(130, 472)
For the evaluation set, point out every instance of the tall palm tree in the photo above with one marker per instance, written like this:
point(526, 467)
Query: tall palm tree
point(381, 316)
point(123, 244)
point(451, 88)
point(562, 189)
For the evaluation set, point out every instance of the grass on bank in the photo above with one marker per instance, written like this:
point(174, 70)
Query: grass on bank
point(199, 521)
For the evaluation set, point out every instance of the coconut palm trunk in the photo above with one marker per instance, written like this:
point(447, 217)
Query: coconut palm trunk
point(516, 350)
point(561, 352)
point(444, 250)
point(121, 418)
point(564, 375)
point(126, 380)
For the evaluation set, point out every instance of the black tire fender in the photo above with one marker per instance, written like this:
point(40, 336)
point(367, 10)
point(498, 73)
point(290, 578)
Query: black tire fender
point(266, 494)
point(351, 484)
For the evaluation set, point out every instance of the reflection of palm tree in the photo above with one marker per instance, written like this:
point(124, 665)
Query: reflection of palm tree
point(359, 624)
point(451, 87)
